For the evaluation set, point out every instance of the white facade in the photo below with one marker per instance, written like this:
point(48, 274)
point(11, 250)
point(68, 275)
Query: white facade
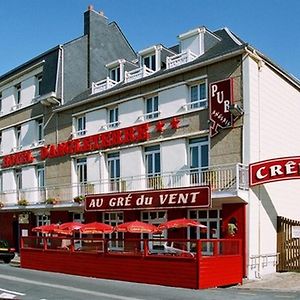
point(271, 126)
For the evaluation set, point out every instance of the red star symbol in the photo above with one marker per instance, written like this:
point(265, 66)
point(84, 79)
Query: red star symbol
point(160, 126)
point(175, 123)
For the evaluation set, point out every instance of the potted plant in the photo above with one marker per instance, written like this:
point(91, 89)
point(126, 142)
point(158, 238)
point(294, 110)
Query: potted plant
point(51, 200)
point(79, 199)
point(22, 202)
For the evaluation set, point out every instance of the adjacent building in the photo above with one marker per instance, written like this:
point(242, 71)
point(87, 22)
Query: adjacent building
point(92, 119)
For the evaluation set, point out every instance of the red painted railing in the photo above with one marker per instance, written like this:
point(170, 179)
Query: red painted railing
point(202, 263)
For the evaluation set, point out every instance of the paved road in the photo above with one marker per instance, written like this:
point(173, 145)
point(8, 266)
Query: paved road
point(16, 283)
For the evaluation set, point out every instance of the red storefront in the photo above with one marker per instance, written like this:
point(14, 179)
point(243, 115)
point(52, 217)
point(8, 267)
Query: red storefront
point(203, 263)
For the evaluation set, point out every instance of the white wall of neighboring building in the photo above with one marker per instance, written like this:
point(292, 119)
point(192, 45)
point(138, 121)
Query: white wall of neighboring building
point(28, 88)
point(271, 124)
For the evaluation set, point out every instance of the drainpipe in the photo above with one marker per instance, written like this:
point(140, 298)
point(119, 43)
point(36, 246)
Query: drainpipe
point(260, 64)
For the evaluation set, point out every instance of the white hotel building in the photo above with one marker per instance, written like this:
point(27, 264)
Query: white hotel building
point(191, 115)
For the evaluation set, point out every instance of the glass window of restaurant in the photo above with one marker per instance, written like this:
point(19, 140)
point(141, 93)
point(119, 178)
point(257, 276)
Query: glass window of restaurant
point(114, 219)
point(155, 217)
point(211, 218)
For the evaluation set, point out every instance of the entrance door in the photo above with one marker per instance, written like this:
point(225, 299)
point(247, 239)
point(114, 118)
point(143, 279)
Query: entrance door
point(16, 235)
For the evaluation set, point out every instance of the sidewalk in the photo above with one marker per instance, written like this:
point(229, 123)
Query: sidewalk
point(281, 282)
point(285, 282)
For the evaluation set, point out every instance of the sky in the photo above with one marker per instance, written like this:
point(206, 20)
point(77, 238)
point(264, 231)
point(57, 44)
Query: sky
point(31, 27)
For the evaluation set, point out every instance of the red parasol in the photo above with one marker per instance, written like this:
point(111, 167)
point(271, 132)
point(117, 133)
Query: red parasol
point(136, 227)
point(45, 228)
point(96, 227)
point(68, 228)
point(179, 223)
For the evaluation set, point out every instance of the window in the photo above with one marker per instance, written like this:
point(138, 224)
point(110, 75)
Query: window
point(39, 79)
point(18, 137)
point(150, 62)
point(114, 219)
point(115, 74)
point(80, 125)
point(198, 158)
point(40, 130)
point(152, 163)
point(18, 177)
point(152, 107)
point(0, 102)
point(41, 176)
point(198, 95)
point(81, 170)
point(42, 220)
point(210, 218)
point(113, 117)
point(18, 94)
point(113, 166)
point(155, 218)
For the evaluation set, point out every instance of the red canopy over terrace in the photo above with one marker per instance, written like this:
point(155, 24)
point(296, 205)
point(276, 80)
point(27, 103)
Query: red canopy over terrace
point(136, 227)
point(95, 228)
point(68, 228)
point(45, 228)
point(179, 223)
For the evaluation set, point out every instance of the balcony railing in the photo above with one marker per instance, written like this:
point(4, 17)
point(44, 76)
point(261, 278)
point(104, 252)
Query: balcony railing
point(223, 180)
point(138, 73)
point(103, 85)
point(179, 59)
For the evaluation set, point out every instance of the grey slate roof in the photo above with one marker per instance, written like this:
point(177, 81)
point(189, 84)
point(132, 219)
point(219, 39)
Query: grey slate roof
point(229, 43)
point(226, 45)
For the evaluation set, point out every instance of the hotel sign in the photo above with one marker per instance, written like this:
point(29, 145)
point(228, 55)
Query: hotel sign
point(274, 170)
point(195, 197)
point(104, 140)
point(220, 99)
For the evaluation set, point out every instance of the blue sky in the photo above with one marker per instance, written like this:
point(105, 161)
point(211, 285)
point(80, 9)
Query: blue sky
point(30, 27)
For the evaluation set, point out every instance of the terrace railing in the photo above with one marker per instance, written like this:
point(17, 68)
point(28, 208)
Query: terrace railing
point(138, 73)
point(103, 85)
point(179, 59)
point(225, 180)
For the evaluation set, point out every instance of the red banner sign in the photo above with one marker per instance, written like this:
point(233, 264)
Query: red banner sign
point(220, 100)
point(274, 170)
point(99, 141)
point(20, 158)
point(159, 199)
point(104, 140)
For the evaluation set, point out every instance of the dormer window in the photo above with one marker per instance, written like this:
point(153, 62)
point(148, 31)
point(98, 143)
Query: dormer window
point(150, 62)
point(115, 74)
